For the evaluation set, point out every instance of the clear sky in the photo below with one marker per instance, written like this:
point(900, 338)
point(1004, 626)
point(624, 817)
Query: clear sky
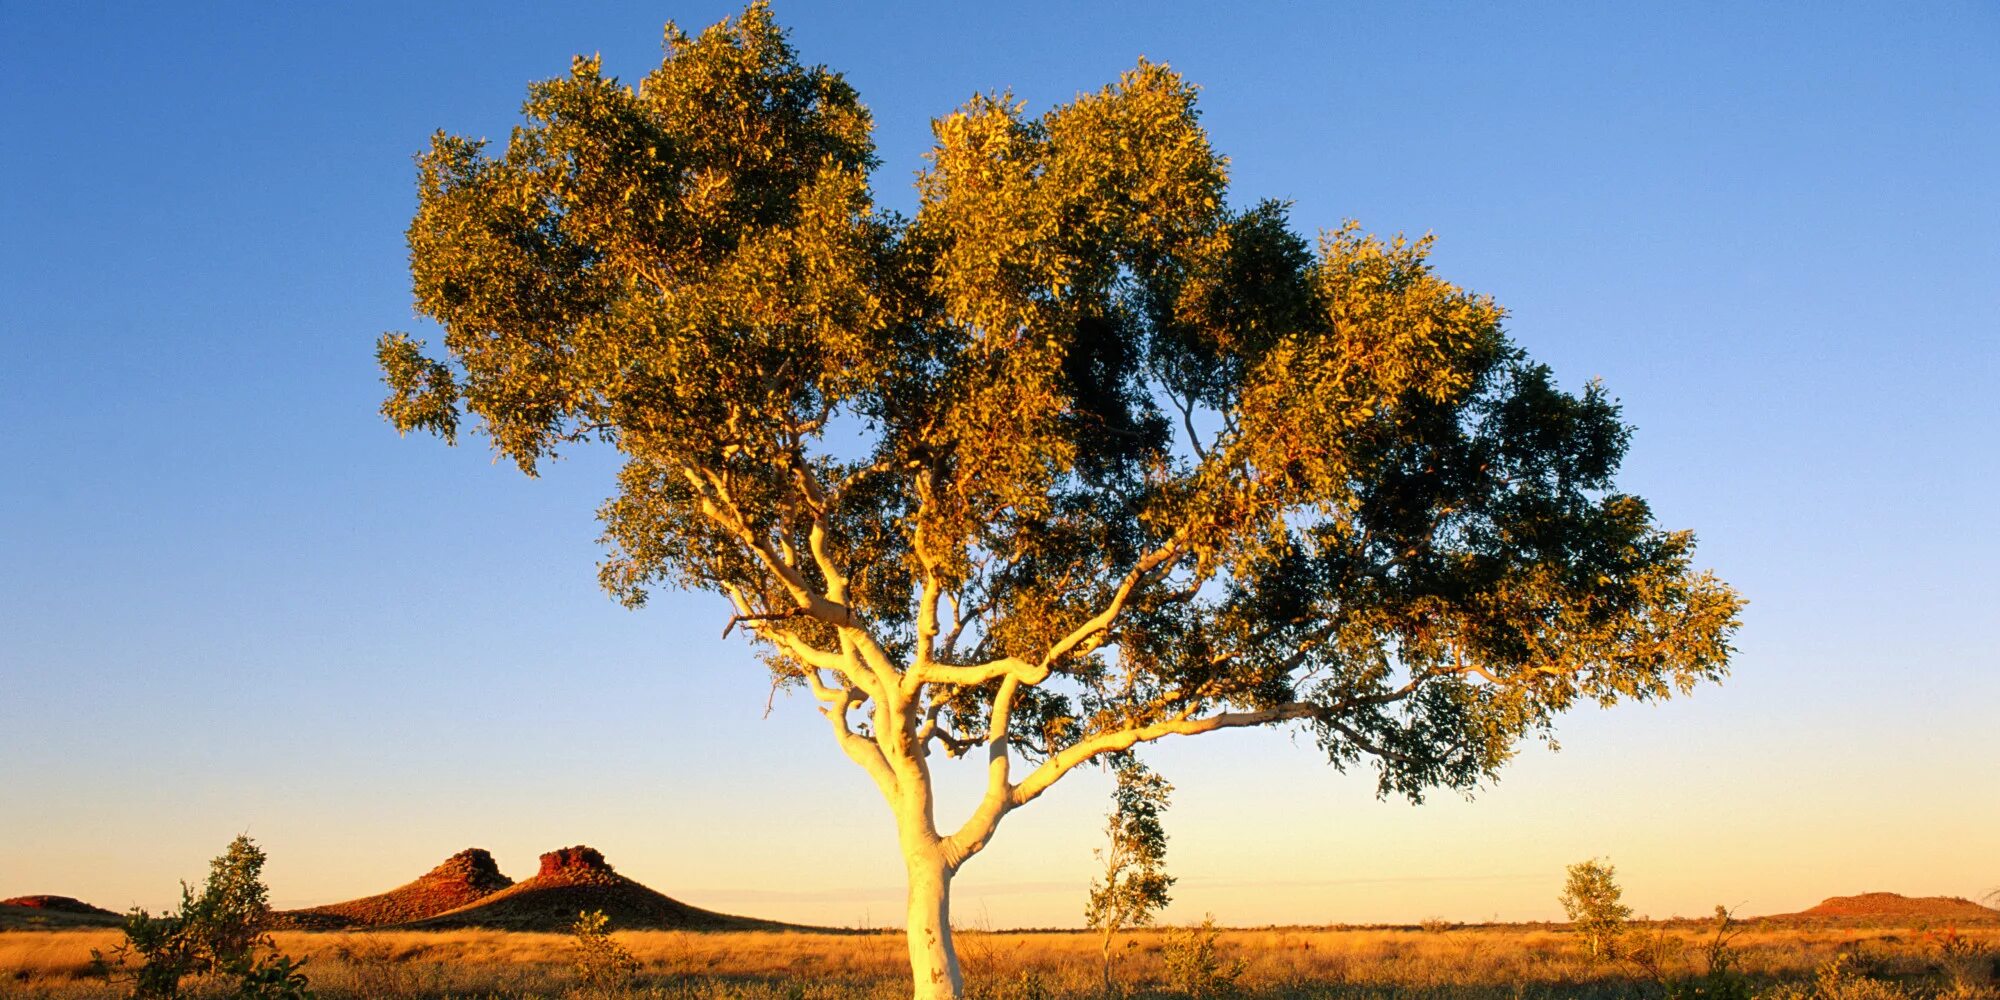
point(232, 600)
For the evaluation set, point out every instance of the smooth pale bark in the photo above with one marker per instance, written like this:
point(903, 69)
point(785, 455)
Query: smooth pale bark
point(933, 961)
point(934, 972)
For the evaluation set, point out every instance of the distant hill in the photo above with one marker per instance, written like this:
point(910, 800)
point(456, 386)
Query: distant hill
point(577, 879)
point(50, 912)
point(1887, 906)
point(462, 879)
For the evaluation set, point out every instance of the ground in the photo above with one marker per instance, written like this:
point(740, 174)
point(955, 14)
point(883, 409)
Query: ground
point(1504, 962)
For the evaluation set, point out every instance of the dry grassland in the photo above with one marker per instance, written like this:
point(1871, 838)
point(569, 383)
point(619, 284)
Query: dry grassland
point(1501, 963)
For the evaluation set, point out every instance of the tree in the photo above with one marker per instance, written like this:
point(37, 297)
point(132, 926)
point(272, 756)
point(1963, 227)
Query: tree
point(1592, 899)
point(1077, 458)
point(1135, 882)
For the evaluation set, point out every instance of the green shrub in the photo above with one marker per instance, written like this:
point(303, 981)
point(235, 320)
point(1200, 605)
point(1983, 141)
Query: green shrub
point(218, 933)
point(603, 964)
point(1028, 985)
point(1663, 957)
point(1194, 963)
point(273, 977)
point(1966, 964)
point(1839, 980)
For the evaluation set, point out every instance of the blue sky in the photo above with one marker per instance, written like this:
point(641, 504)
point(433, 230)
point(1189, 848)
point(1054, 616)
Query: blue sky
point(231, 599)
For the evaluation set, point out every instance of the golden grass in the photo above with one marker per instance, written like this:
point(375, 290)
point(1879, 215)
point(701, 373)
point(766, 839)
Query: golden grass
point(1500, 962)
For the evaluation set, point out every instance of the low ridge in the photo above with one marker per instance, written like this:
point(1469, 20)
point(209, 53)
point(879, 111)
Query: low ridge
point(60, 904)
point(44, 911)
point(463, 879)
point(1894, 906)
point(578, 879)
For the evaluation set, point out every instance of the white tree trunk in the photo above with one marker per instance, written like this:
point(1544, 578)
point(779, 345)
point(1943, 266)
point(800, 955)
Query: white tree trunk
point(933, 961)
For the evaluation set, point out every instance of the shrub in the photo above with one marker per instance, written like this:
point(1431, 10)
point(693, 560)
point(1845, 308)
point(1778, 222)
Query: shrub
point(1965, 964)
point(1194, 963)
point(1660, 955)
point(218, 932)
point(1028, 985)
point(273, 977)
point(603, 964)
point(1839, 980)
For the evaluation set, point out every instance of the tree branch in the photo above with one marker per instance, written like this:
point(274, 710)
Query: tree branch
point(973, 675)
point(1187, 421)
point(1095, 627)
point(999, 797)
point(1039, 780)
point(751, 620)
point(960, 617)
point(806, 654)
point(717, 507)
point(954, 744)
point(860, 749)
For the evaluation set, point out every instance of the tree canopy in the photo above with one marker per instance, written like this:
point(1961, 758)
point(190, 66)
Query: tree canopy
point(1084, 454)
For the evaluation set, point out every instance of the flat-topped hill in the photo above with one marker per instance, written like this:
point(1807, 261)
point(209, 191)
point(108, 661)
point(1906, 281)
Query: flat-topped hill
point(466, 890)
point(1887, 906)
point(462, 879)
point(578, 879)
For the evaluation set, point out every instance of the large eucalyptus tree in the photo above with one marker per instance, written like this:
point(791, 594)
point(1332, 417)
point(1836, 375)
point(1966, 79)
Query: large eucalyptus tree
point(1078, 458)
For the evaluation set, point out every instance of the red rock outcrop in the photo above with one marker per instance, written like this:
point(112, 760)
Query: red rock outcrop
point(464, 878)
point(572, 860)
point(578, 879)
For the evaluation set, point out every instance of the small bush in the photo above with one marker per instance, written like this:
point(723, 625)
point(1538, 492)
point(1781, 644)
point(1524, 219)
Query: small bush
point(273, 977)
point(217, 933)
point(603, 964)
point(1967, 965)
point(1839, 980)
point(1663, 957)
point(1028, 985)
point(1194, 963)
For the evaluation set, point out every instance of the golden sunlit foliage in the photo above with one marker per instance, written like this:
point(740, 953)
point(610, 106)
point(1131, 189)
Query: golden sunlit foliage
point(1078, 457)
